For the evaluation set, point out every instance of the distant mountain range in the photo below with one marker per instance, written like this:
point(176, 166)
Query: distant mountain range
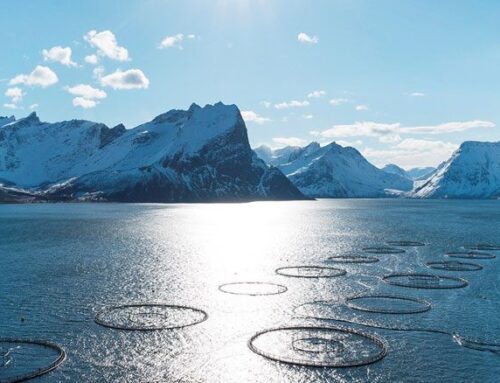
point(333, 171)
point(203, 155)
point(194, 155)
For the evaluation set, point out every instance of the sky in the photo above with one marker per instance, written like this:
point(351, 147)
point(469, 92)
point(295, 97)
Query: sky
point(402, 81)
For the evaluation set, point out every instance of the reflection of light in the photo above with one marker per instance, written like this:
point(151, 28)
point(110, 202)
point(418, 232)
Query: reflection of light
point(239, 238)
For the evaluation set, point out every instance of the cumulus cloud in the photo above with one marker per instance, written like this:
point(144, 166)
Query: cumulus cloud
point(338, 101)
point(450, 127)
point(40, 76)
point(316, 94)
point(251, 116)
point(86, 91)
point(84, 102)
point(291, 104)
point(106, 45)
point(307, 116)
point(306, 39)
point(174, 41)
point(33, 106)
point(412, 152)
point(129, 79)
point(58, 54)
point(362, 108)
point(359, 129)
point(15, 94)
point(91, 59)
point(289, 141)
point(417, 94)
point(10, 106)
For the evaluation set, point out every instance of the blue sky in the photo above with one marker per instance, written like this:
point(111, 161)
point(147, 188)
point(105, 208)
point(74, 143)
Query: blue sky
point(402, 81)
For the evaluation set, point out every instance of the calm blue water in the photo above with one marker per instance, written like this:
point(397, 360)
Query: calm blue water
point(61, 263)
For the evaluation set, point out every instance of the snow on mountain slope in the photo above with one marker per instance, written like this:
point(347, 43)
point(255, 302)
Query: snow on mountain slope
point(473, 171)
point(395, 169)
point(421, 173)
point(201, 154)
point(4, 120)
point(335, 171)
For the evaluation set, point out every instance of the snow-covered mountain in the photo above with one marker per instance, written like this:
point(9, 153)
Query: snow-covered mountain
point(412, 174)
point(473, 171)
point(201, 154)
point(333, 171)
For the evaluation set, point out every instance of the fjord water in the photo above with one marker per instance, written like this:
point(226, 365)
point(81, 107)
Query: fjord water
point(61, 263)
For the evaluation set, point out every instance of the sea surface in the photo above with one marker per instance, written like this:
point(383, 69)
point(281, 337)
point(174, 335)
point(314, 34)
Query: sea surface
point(60, 264)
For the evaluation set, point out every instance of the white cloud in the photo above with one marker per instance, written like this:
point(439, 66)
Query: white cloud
point(362, 108)
point(291, 104)
point(307, 116)
point(129, 79)
point(86, 91)
point(33, 106)
point(15, 94)
point(40, 76)
point(338, 101)
point(58, 54)
point(175, 41)
point(84, 102)
point(265, 104)
point(289, 141)
point(349, 143)
point(92, 59)
point(417, 94)
point(412, 152)
point(106, 45)
point(316, 94)
point(390, 133)
point(450, 127)
point(10, 106)
point(251, 116)
point(306, 39)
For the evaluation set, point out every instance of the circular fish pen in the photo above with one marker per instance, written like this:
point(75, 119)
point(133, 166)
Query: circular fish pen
point(483, 246)
point(149, 317)
point(405, 243)
point(470, 255)
point(310, 271)
point(387, 304)
point(454, 266)
point(425, 281)
point(318, 346)
point(252, 288)
point(382, 250)
point(21, 359)
point(352, 259)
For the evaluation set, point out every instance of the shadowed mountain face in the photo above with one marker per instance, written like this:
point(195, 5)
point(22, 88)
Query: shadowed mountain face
point(197, 155)
point(473, 171)
point(333, 171)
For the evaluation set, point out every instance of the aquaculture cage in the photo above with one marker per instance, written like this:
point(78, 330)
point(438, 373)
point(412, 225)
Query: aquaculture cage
point(387, 304)
point(22, 360)
point(253, 288)
point(352, 259)
point(310, 271)
point(425, 281)
point(454, 266)
point(149, 316)
point(382, 250)
point(405, 243)
point(319, 346)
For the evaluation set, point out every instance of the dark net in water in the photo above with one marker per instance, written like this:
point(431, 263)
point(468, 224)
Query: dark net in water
point(382, 250)
point(149, 316)
point(454, 266)
point(405, 243)
point(22, 360)
point(310, 271)
point(425, 281)
point(388, 304)
point(318, 346)
point(352, 259)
